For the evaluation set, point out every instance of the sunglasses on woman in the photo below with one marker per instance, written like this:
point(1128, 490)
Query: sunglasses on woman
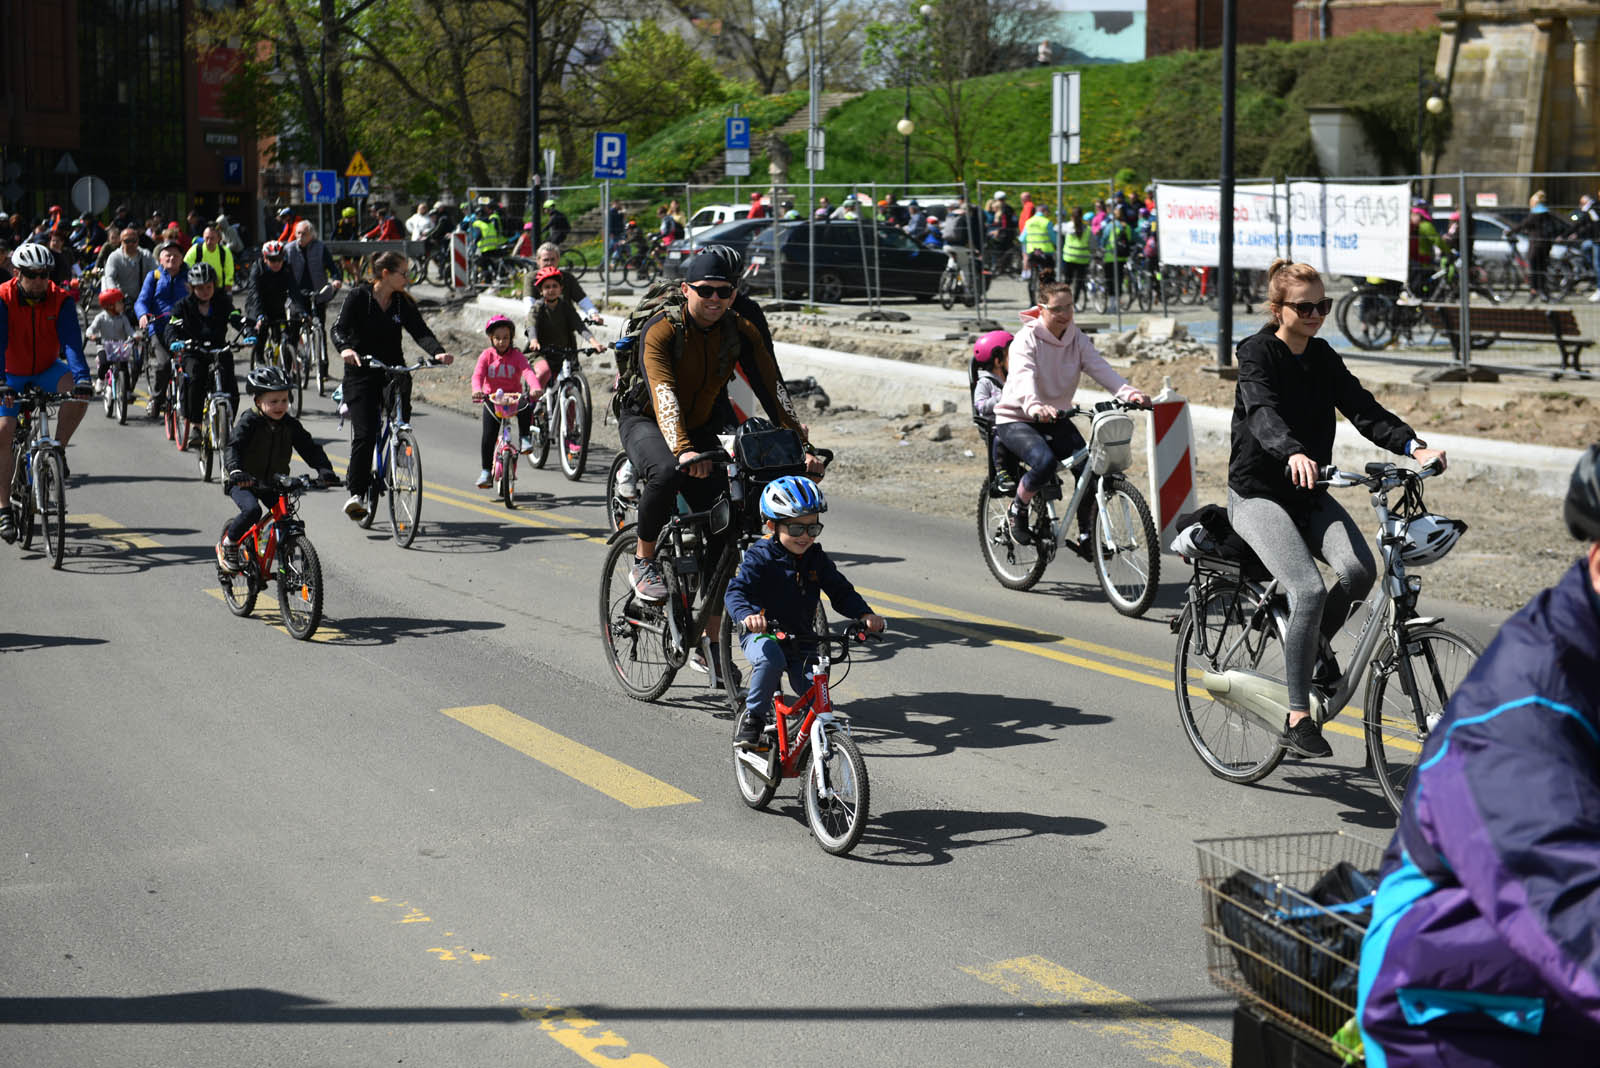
point(795, 530)
point(1306, 308)
point(720, 292)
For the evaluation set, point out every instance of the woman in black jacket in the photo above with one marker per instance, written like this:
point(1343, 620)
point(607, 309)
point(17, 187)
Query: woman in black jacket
point(1541, 227)
point(1290, 383)
point(369, 325)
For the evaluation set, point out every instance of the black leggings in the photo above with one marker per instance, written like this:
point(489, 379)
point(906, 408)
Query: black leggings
point(491, 431)
point(198, 386)
point(363, 395)
point(660, 482)
point(1042, 446)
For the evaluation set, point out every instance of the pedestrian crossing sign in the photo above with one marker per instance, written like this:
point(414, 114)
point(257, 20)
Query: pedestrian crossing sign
point(358, 167)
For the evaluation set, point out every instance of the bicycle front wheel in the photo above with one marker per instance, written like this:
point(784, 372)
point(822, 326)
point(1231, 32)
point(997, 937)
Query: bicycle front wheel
point(124, 390)
point(320, 347)
point(574, 262)
point(573, 410)
point(539, 431)
point(1367, 319)
point(52, 493)
point(405, 488)
point(635, 634)
point(508, 477)
point(1127, 559)
point(299, 587)
point(837, 811)
point(1406, 696)
point(1014, 566)
point(1233, 744)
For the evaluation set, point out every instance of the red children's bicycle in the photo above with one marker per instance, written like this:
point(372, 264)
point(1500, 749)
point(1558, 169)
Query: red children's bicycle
point(277, 549)
point(835, 790)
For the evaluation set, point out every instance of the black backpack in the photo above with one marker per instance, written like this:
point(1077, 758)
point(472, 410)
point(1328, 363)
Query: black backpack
point(664, 298)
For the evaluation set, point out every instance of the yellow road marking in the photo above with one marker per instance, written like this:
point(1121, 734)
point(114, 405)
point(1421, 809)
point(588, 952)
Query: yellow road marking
point(112, 531)
point(1120, 1018)
point(591, 767)
point(271, 617)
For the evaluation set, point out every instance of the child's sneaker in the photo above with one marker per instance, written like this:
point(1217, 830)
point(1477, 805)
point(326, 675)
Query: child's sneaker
point(1017, 520)
point(228, 557)
point(483, 479)
point(751, 726)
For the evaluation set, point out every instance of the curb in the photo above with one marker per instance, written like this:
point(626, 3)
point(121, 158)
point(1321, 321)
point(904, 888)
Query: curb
point(893, 387)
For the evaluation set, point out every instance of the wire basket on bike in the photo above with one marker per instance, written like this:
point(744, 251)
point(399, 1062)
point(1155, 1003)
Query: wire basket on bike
point(1284, 915)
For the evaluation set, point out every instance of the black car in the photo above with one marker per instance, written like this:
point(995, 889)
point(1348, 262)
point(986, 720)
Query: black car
point(736, 235)
point(845, 261)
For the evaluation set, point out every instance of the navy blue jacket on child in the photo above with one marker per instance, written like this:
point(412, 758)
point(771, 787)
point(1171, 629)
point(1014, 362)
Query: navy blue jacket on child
point(786, 588)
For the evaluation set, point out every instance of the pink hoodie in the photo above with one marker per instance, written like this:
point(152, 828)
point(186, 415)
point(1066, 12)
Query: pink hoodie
point(509, 372)
point(1043, 369)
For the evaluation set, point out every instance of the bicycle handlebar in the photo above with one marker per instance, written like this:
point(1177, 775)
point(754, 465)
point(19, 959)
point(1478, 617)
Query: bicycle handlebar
point(1376, 473)
point(372, 363)
point(32, 397)
point(287, 483)
point(855, 634)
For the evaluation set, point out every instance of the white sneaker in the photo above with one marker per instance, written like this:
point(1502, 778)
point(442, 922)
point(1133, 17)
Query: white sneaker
point(483, 479)
point(527, 442)
point(355, 507)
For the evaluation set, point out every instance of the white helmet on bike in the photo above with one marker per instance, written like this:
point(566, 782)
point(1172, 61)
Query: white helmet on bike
point(1429, 537)
point(33, 256)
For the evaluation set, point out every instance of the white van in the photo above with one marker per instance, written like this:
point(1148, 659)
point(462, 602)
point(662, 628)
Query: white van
point(715, 215)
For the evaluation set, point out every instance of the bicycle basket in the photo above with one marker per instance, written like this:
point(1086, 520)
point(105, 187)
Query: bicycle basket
point(1111, 442)
point(118, 351)
point(1284, 915)
point(768, 454)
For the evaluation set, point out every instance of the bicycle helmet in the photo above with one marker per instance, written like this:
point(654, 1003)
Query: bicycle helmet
point(285, 212)
point(990, 345)
point(201, 274)
point(272, 250)
point(109, 297)
point(1429, 537)
point(545, 274)
point(790, 496)
point(266, 379)
point(348, 213)
point(33, 256)
point(549, 204)
point(1582, 507)
point(730, 262)
point(498, 321)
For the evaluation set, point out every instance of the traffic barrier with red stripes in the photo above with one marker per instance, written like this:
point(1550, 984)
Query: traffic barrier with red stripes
point(1172, 479)
point(460, 276)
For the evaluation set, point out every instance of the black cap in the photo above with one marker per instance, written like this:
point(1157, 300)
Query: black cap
point(706, 266)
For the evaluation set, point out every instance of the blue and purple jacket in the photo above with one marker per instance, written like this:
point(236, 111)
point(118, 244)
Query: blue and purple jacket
point(1484, 946)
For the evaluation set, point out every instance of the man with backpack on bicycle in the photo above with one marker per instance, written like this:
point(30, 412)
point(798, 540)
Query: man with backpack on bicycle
point(672, 397)
point(1481, 948)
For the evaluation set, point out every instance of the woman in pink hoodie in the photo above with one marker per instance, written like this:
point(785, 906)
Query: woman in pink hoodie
point(1047, 358)
point(503, 367)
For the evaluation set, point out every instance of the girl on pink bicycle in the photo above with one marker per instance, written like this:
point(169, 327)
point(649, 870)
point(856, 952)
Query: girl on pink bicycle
point(503, 367)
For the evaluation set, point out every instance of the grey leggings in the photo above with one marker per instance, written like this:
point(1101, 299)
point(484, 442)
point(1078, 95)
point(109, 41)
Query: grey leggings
point(1287, 549)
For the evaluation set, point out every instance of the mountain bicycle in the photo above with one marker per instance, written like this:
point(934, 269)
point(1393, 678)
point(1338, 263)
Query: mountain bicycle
point(1121, 546)
point(504, 472)
point(396, 458)
point(277, 550)
point(835, 791)
point(648, 642)
point(563, 414)
point(116, 385)
point(39, 472)
point(1228, 669)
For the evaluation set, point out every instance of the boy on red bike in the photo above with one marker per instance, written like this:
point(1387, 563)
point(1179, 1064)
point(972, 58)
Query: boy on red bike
point(259, 449)
point(777, 588)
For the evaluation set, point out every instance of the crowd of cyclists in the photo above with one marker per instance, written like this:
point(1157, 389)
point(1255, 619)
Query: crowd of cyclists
point(1489, 888)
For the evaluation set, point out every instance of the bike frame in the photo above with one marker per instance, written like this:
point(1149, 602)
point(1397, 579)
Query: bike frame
point(1059, 524)
point(33, 436)
point(261, 540)
point(506, 411)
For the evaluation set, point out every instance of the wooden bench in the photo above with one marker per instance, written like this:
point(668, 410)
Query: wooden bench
point(1531, 322)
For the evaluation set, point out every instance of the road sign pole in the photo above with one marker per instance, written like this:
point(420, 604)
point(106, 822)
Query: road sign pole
point(605, 252)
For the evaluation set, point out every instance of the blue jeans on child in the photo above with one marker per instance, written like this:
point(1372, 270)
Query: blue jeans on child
point(768, 662)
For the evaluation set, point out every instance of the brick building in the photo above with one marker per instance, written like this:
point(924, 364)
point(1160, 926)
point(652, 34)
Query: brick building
point(1184, 25)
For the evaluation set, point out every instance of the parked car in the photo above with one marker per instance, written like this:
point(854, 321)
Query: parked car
point(736, 235)
point(845, 260)
point(714, 215)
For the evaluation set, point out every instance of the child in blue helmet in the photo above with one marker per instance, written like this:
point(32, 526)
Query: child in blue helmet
point(777, 588)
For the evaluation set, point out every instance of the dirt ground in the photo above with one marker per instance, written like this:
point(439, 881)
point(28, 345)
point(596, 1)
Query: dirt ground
point(932, 462)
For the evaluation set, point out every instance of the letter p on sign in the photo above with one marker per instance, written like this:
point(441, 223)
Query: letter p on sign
point(610, 155)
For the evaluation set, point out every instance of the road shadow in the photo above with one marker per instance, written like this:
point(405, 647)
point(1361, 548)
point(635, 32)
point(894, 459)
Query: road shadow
point(18, 643)
point(237, 1006)
point(464, 537)
point(940, 723)
point(97, 551)
point(931, 836)
point(90, 479)
point(1353, 788)
point(1169, 595)
point(929, 632)
point(863, 558)
point(387, 630)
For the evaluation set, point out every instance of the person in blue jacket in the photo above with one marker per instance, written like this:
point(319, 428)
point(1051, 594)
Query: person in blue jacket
point(777, 588)
point(1484, 946)
point(161, 292)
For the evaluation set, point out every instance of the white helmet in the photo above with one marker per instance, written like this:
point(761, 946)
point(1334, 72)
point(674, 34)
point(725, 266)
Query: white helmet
point(1429, 537)
point(33, 256)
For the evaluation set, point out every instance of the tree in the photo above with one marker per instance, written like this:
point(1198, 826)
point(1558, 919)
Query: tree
point(768, 42)
point(651, 79)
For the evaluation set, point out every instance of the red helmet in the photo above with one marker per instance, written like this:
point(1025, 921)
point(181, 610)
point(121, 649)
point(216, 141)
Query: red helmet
point(545, 274)
point(109, 297)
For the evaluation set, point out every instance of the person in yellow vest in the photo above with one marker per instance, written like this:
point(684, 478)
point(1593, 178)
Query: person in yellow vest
point(490, 238)
point(211, 249)
point(1038, 250)
point(1076, 253)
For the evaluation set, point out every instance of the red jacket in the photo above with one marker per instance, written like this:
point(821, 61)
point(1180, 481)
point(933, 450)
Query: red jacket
point(387, 230)
point(33, 336)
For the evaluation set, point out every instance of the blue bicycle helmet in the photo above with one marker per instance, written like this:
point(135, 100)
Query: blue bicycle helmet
point(790, 496)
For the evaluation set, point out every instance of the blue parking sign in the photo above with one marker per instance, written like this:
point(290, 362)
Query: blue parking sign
point(610, 155)
point(737, 133)
point(233, 170)
point(321, 187)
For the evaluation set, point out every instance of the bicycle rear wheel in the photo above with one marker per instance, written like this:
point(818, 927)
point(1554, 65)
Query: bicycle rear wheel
point(1232, 744)
point(299, 587)
point(1127, 559)
point(405, 488)
point(320, 347)
point(22, 504)
point(1014, 566)
point(1367, 319)
point(839, 815)
point(539, 430)
point(574, 262)
point(1406, 698)
point(634, 633)
point(573, 409)
point(52, 490)
point(239, 589)
point(756, 774)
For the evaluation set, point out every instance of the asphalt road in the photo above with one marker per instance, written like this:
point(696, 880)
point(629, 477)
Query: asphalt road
point(213, 831)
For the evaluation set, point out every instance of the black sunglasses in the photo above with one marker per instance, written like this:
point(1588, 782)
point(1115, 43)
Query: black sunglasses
point(794, 530)
point(720, 292)
point(1304, 308)
point(35, 274)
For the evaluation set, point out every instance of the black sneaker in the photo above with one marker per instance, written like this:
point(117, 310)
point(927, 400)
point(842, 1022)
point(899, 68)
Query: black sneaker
point(1305, 739)
point(645, 578)
point(8, 526)
point(751, 727)
point(1017, 522)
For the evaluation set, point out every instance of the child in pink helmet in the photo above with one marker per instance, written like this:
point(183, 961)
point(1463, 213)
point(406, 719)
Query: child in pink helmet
point(987, 374)
point(503, 367)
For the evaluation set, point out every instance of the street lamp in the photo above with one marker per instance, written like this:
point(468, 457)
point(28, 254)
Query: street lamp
point(905, 126)
point(1429, 100)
